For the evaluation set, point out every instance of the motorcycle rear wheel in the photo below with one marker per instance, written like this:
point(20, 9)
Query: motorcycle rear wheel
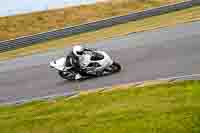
point(67, 75)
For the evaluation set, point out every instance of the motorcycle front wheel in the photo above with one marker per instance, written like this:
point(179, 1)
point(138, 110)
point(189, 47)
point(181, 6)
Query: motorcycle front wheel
point(114, 68)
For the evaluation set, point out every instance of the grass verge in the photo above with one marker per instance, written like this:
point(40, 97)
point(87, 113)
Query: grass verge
point(163, 108)
point(171, 19)
point(27, 24)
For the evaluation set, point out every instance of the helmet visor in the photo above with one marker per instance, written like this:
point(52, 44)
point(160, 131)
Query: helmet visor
point(79, 52)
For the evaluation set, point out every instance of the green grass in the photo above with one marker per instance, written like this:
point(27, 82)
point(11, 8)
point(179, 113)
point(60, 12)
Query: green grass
point(164, 108)
point(170, 19)
point(27, 24)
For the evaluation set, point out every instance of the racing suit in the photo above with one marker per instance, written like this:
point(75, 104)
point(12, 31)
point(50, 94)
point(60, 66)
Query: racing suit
point(73, 60)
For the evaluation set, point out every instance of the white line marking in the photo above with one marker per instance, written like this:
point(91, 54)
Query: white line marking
point(179, 77)
point(75, 93)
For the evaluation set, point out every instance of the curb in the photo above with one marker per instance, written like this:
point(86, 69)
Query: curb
point(107, 89)
point(140, 84)
point(124, 86)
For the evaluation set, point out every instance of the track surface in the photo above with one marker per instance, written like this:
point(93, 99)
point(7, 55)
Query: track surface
point(165, 52)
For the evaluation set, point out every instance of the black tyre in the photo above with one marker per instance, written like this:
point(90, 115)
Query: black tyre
point(67, 75)
point(116, 67)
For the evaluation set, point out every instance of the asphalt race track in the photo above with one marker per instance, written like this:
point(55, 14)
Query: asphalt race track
point(160, 53)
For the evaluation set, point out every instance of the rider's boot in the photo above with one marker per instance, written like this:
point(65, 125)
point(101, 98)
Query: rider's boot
point(78, 76)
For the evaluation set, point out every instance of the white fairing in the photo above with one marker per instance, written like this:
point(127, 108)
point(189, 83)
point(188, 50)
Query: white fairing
point(59, 64)
point(106, 62)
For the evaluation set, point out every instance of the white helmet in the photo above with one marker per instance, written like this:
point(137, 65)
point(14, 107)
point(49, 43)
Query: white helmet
point(78, 50)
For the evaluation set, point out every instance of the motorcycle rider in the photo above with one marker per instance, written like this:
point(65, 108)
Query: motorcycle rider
point(73, 59)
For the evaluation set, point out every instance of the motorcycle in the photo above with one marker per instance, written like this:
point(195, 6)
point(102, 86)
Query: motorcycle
point(94, 64)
